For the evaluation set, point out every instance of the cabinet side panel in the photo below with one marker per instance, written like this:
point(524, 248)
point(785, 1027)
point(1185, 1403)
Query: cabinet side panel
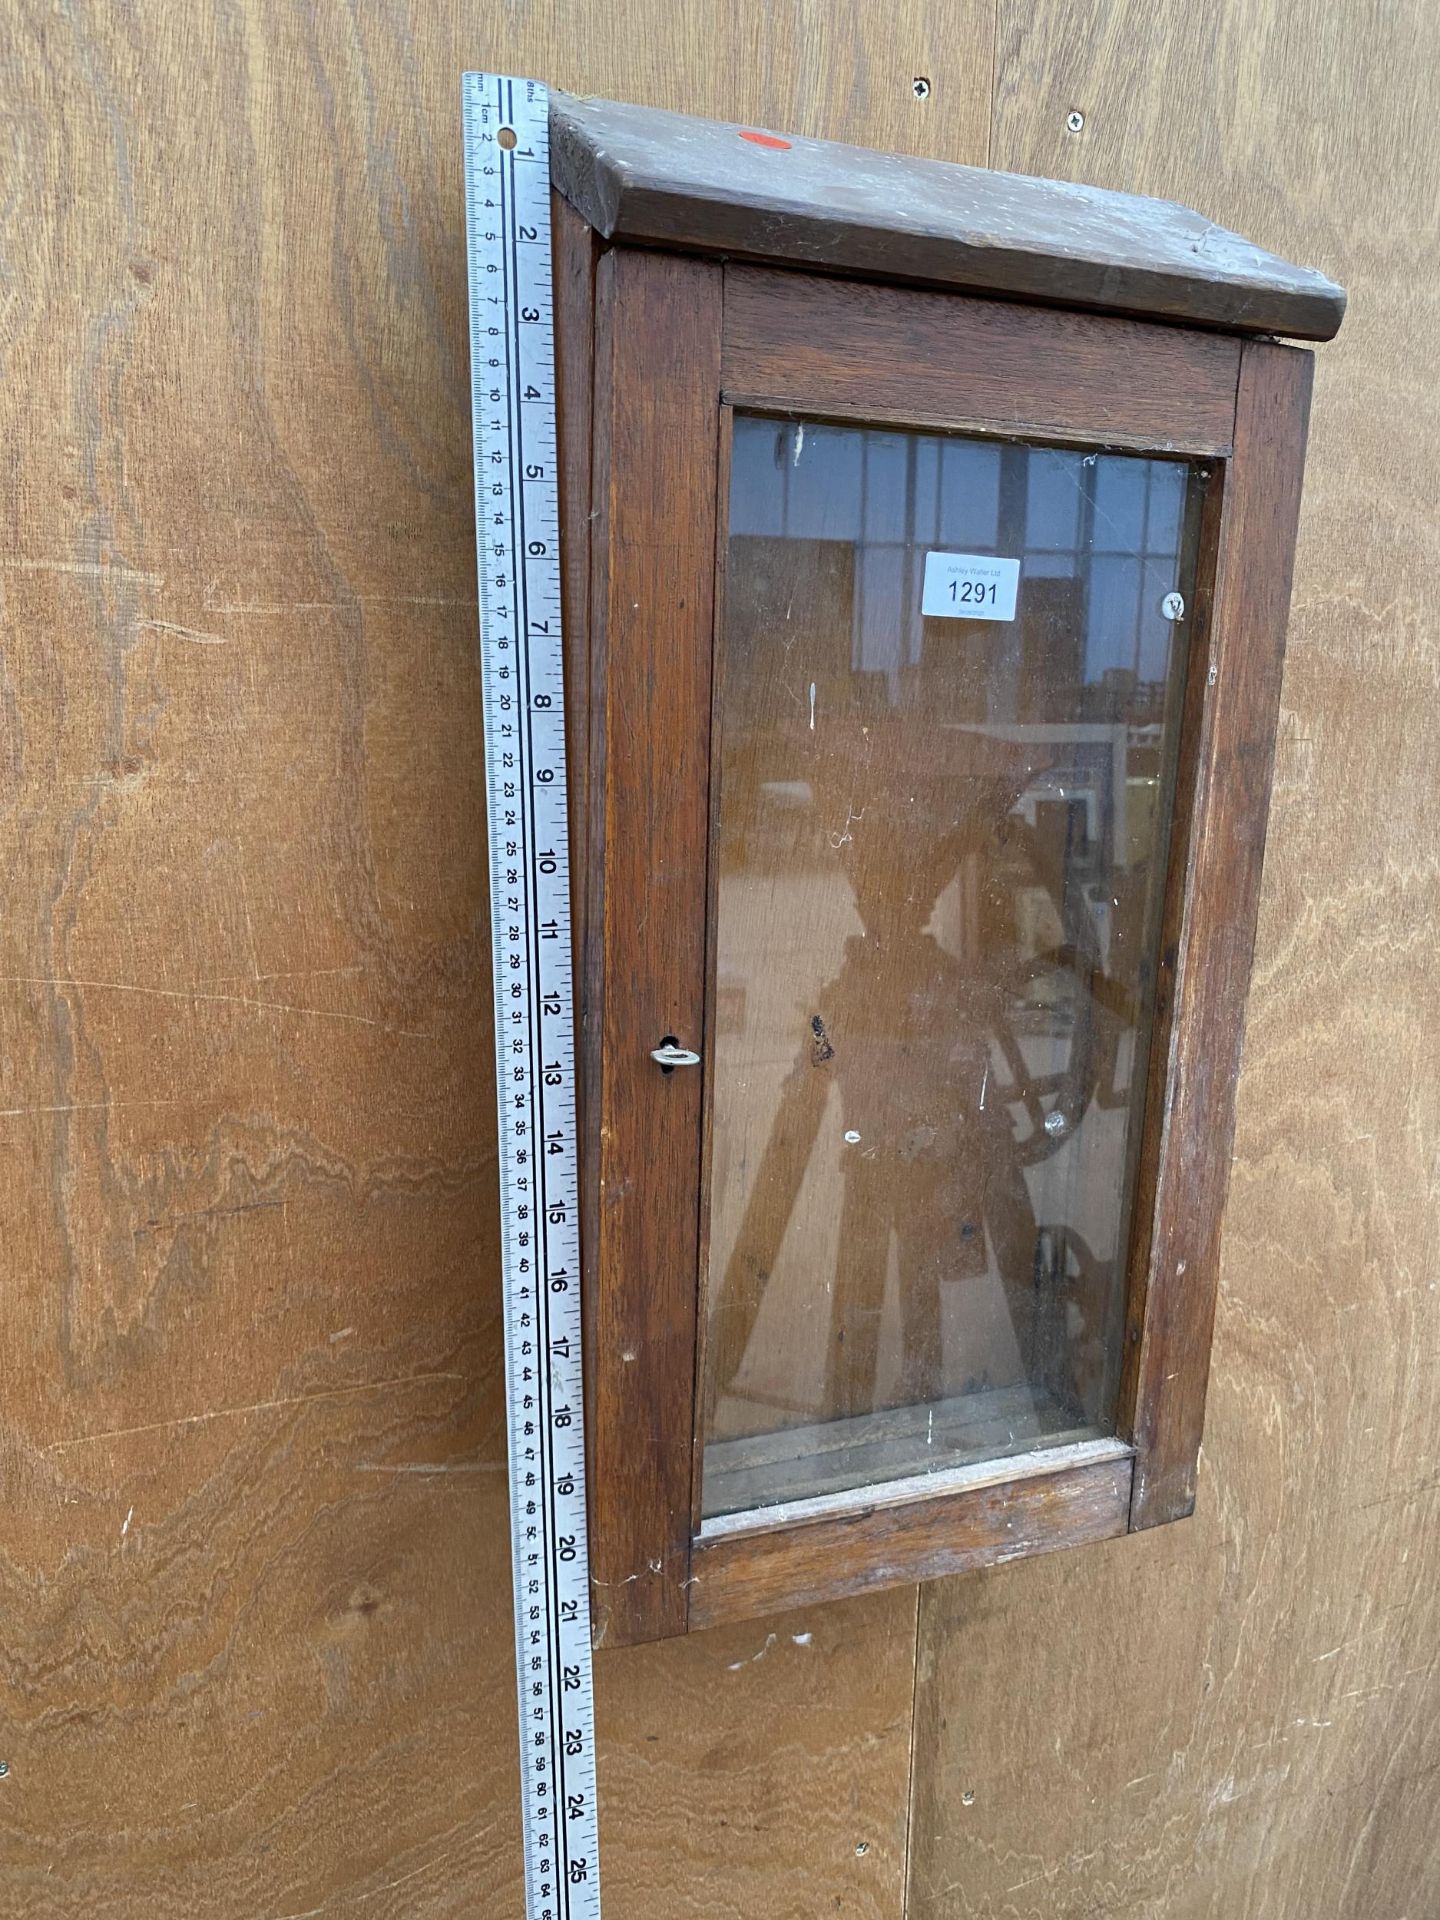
point(1232, 804)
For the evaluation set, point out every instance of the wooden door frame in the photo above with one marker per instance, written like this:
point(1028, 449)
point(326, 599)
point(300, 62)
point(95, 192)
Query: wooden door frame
point(678, 341)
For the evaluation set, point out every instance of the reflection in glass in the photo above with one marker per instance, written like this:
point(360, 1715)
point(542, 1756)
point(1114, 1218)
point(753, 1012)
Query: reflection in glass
point(941, 849)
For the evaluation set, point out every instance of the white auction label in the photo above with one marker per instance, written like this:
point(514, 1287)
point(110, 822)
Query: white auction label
point(970, 586)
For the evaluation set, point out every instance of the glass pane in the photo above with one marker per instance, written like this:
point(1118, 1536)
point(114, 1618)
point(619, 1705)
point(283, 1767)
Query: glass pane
point(945, 794)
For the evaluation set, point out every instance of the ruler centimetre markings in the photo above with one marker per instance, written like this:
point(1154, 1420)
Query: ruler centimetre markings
point(517, 537)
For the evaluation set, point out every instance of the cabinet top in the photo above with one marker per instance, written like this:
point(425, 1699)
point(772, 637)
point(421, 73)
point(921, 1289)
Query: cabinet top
point(652, 178)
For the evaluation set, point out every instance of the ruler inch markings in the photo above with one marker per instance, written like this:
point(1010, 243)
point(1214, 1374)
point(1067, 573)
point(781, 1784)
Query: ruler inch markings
point(517, 532)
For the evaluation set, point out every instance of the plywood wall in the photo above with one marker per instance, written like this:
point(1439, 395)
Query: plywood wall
point(254, 1631)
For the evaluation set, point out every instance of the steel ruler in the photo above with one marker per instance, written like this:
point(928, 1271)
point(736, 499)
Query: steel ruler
point(517, 533)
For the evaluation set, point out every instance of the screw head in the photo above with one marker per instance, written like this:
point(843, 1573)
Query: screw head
point(1075, 121)
point(920, 87)
point(4, 1769)
point(1173, 606)
point(1055, 1124)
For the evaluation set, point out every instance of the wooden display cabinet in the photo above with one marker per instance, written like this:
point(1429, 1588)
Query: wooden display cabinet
point(928, 539)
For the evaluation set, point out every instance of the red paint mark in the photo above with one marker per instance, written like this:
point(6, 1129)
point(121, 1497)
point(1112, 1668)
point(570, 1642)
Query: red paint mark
point(764, 139)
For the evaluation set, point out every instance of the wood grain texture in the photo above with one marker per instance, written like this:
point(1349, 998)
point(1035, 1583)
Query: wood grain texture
point(708, 186)
point(250, 1635)
point(1172, 1319)
point(761, 1768)
point(737, 1574)
point(1236, 1719)
point(254, 1605)
point(235, 404)
point(657, 376)
point(252, 1558)
point(847, 348)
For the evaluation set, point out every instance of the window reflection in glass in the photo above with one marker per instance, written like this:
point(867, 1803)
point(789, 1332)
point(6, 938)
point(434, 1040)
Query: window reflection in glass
point(941, 848)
